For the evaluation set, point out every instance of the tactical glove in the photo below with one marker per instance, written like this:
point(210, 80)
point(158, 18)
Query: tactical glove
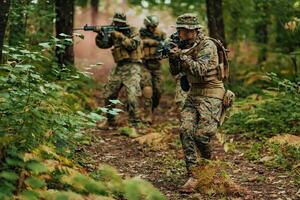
point(175, 52)
point(118, 35)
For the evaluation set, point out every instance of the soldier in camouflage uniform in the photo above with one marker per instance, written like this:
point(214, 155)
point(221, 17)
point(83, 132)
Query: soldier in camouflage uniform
point(151, 81)
point(196, 56)
point(127, 53)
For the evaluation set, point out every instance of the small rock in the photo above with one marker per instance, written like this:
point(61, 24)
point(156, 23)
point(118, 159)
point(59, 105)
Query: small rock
point(274, 195)
point(266, 159)
point(197, 196)
point(252, 179)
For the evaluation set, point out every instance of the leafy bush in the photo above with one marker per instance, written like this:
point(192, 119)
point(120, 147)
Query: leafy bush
point(43, 117)
point(278, 114)
point(33, 109)
point(36, 109)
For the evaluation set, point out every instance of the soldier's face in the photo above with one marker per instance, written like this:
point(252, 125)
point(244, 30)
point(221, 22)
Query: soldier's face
point(151, 28)
point(187, 34)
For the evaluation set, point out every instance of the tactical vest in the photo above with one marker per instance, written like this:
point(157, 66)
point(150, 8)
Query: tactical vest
point(120, 53)
point(211, 84)
point(149, 50)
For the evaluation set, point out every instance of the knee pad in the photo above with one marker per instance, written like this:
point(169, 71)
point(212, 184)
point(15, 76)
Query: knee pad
point(147, 92)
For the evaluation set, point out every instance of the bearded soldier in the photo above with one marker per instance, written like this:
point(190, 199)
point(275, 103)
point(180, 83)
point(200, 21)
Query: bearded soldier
point(151, 81)
point(127, 54)
point(198, 60)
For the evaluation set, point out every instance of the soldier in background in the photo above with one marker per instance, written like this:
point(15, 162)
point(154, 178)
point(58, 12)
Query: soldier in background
point(198, 60)
point(127, 54)
point(151, 71)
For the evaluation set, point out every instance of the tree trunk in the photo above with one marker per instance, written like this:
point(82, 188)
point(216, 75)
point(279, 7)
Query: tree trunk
point(261, 29)
point(215, 20)
point(18, 19)
point(4, 11)
point(64, 24)
point(95, 10)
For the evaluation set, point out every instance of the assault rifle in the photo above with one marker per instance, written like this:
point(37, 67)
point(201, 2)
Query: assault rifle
point(164, 48)
point(107, 29)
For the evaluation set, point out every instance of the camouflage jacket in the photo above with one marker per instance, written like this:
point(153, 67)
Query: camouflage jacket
point(127, 47)
point(199, 61)
point(150, 42)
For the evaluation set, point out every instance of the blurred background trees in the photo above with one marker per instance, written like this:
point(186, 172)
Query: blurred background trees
point(258, 32)
point(4, 10)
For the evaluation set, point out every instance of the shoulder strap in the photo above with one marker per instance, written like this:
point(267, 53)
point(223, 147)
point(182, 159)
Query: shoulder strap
point(223, 57)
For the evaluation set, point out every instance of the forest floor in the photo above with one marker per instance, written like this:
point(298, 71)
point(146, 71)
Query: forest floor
point(156, 156)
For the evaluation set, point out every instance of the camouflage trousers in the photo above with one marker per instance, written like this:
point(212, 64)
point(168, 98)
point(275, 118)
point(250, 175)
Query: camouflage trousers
point(151, 76)
point(198, 123)
point(126, 75)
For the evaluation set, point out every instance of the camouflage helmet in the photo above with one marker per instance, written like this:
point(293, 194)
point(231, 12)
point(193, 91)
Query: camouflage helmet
point(188, 21)
point(151, 20)
point(119, 17)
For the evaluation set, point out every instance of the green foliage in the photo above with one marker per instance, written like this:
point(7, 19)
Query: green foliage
point(136, 189)
point(254, 153)
point(130, 132)
point(278, 114)
point(285, 156)
point(36, 167)
point(37, 108)
point(34, 182)
point(29, 195)
point(33, 108)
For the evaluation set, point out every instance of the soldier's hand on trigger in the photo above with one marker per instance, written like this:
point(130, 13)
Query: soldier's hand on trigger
point(117, 35)
point(175, 52)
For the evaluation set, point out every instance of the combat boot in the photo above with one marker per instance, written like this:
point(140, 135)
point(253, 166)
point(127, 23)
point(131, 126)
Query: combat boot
point(190, 185)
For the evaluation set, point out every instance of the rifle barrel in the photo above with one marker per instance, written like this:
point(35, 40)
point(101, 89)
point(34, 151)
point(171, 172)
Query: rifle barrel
point(76, 29)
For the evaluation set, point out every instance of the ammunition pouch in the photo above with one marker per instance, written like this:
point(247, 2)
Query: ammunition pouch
point(149, 52)
point(228, 100)
point(120, 53)
point(147, 92)
point(214, 74)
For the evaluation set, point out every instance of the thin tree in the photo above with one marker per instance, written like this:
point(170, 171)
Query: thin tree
point(64, 24)
point(215, 20)
point(261, 28)
point(4, 11)
point(18, 20)
point(95, 10)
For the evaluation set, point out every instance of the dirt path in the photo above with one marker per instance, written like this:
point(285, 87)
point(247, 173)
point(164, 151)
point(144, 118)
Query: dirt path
point(161, 162)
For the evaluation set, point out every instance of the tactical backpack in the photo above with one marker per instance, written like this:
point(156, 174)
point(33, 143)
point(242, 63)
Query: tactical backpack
point(223, 68)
